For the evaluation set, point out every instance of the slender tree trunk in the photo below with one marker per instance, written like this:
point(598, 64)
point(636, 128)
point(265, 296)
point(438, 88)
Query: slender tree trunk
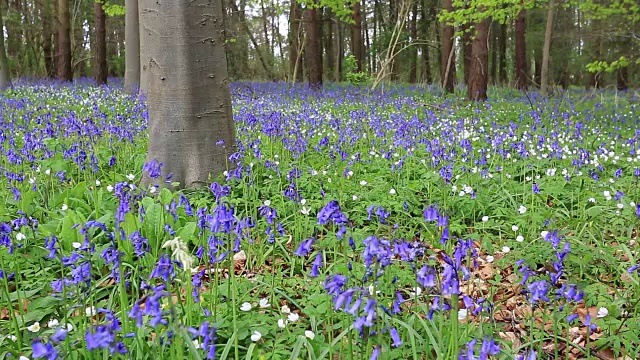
point(448, 62)
point(132, 45)
point(191, 130)
point(14, 29)
point(595, 79)
point(502, 47)
point(437, 57)
point(46, 18)
point(367, 41)
point(64, 42)
point(328, 43)
point(314, 49)
point(413, 50)
point(376, 45)
point(339, 50)
point(537, 68)
point(479, 77)
point(356, 35)
point(100, 64)
point(265, 24)
point(426, 75)
point(623, 78)
point(521, 72)
point(261, 56)
point(467, 49)
point(5, 75)
point(493, 50)
point(546, 50)
point(394, 9)
point(295, 32)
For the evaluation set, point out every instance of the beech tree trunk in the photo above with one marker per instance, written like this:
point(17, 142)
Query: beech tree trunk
point(327, 28)
point(356, 36)
point(295, 39)
point(338, 50)
point(5, 76)
point(314, 49)
point(502, 47)
point(479, 75)
point(413, 50)
point(448, 62)
point(191, 129)
point(425, 18)
point(100, 64)
point(521, 54)
point(493, 50)
point(46, 17)
point(64, 42)
point(132, 45)
point(467, 49)
point(546, 50)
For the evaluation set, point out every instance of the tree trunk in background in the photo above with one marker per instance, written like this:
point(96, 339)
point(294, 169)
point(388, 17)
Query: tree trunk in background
point(502, 47)
point(328, 43)
point(188, 92)
point(467, 49)
point(63, 46)
point(366, 46)
point(338, 50)
point(478, 77)
point(100, 64)
point(521, 72)
point(237, 43)
point(265, 32)
point(433, 15)
point(5, 76)
point(314, 49)
point(537, 67)
point(356, 35)
point(594, 80)
point(376, 26)
point(623, 78)
point(132, 45)
point(394, 9)
point(425, 75)
point(14, 29)
point(261, 56)
point(413, 50)
point(546, 50)
point(493, 50)
point(448, 62)
point(46, 18)
point(295, 34)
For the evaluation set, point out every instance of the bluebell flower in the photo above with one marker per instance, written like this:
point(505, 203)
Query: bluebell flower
point(536, 189)
point(539, 290)
point(529, 355)
point(317, 263)
point(305, 247)
point(431, 214)
point(41, 350)
point(395, 337)
point(334, 283)
point(331, 212)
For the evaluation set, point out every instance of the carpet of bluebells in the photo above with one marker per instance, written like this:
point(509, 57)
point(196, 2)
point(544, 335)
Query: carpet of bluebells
point(350, 224)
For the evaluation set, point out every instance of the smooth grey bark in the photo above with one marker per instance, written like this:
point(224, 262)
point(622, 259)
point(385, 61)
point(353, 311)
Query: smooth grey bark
point(546, 50)
point(5, 76)
point(132, 45)
point(184, 70)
